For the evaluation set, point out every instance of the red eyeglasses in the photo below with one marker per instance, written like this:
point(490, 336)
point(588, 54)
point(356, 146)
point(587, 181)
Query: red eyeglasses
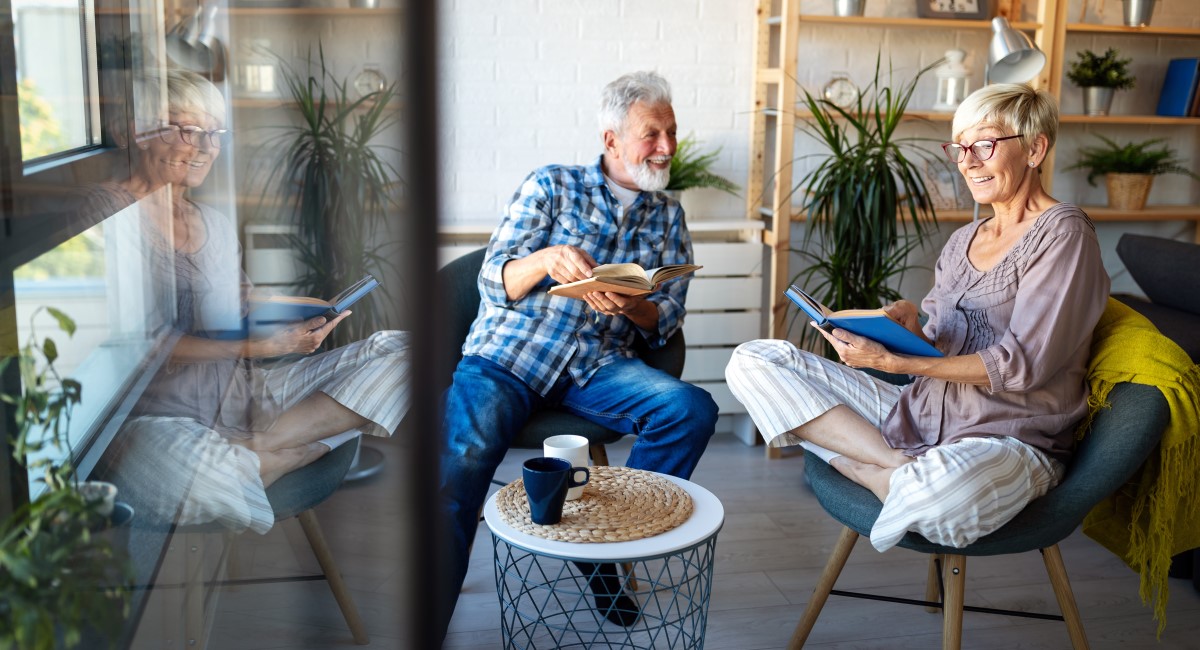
point(982, 150)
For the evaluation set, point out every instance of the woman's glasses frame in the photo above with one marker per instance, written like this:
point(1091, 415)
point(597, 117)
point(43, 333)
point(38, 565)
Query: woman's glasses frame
point(190, 134)
point(958, 152)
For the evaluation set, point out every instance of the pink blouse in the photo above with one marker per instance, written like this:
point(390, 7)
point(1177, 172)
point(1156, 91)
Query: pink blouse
point(1030, 318)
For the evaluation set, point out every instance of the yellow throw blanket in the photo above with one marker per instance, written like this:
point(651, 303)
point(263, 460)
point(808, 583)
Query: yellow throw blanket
point(1156, 514)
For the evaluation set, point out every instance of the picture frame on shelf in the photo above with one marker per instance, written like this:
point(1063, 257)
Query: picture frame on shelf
point(955, 9)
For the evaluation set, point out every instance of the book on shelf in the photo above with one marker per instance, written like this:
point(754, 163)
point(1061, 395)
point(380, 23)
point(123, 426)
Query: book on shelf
point(874, 324)
point(1178, 96)
point(627, 279)
point(278, 310)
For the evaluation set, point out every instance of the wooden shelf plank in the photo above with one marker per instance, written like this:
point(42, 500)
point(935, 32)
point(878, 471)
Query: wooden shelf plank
point(1086, 28)
point(1148, 213)
point(1139, 120)
point(278, 102)
point(313, 11)
point(912, 114)
point(910, 23)
point(1097, 213)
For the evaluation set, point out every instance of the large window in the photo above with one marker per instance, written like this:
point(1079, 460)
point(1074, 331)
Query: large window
point(100, 278)
point(57, 87)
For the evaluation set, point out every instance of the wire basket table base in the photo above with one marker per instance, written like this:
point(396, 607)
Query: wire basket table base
point(545, 601)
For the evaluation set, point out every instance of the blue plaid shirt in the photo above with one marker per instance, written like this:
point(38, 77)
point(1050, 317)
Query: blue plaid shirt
point(541, 336)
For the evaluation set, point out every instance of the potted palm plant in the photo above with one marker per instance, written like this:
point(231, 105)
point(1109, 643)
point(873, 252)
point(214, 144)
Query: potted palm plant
point(61, 583)
point(866, 202)
point(338, 189)
point(1129, 169)
point(1099, 75)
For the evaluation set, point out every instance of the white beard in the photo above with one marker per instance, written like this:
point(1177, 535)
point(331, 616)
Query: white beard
point(647, 178)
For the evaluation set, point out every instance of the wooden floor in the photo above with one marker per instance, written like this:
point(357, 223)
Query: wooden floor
point(773, 546)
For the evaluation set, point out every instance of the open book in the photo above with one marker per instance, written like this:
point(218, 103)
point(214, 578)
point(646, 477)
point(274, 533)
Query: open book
point(874, 324)
point(628, 279)
point(289, 309)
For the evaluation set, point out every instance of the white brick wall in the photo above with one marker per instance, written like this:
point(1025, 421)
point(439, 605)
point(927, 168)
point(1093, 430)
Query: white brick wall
point(521, 80)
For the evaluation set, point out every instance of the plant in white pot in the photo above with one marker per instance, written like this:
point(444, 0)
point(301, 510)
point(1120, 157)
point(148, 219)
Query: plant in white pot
point(1129, 169)
point(1100, 76)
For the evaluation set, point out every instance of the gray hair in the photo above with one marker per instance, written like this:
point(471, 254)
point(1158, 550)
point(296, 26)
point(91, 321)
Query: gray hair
point(1015, 107)
point(629, 89)
point(188, 91)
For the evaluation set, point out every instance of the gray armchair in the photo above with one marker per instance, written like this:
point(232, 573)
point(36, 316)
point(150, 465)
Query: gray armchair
point(1168, 272)
point(1119, 440)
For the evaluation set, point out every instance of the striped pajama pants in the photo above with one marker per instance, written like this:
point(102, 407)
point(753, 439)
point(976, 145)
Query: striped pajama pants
point(951, 495)
point(185, 472)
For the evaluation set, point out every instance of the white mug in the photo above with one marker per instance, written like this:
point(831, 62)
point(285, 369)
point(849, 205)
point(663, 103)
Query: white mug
point(574, 450)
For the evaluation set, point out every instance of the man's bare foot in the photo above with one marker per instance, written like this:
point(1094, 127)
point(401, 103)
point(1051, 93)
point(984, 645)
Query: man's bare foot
point(873, 477)
point(274, 464)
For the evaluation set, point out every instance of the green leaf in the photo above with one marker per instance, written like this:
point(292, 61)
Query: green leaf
point(65, 322)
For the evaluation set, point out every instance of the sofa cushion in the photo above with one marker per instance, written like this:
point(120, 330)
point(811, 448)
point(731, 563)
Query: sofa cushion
point(1179, 326)
point(1166, 270)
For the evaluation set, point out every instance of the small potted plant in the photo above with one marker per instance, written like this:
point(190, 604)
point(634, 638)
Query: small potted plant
point(1099, 75)
point(691, 168)
point(1129, 169)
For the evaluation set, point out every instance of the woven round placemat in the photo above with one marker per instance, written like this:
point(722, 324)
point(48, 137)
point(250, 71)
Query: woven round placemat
point(619, 504)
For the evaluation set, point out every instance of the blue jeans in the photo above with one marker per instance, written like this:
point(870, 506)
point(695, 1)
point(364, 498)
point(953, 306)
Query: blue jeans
point(487, 406)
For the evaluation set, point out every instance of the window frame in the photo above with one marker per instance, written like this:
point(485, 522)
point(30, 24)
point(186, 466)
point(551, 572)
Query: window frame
point(36, 215)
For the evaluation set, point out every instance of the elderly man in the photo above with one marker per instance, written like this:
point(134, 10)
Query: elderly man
point(528, 350)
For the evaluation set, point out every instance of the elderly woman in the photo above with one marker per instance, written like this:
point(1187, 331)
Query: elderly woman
point(216, 421)
point(985, 429)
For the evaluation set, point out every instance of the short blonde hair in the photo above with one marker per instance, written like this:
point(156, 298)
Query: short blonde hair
point(1015, 107)
point(188, 91)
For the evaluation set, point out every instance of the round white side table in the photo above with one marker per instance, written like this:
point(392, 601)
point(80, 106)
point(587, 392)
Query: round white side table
point(545, 601)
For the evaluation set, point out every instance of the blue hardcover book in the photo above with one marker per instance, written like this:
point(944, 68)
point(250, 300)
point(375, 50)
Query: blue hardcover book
point(1179, 87)
point(289, 309)
point(871, 323)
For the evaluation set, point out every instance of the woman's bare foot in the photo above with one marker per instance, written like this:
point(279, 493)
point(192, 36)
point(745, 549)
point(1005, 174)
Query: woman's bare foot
point(263, 441)
point(873, 477)
point(274, 464)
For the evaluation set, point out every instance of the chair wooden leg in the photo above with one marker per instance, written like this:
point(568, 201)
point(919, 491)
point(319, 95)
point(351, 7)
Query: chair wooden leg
point(599, 454)
point(833, 568)
point(1066, 598)
point(312, 530)
point(933, 592)
point(954, 575)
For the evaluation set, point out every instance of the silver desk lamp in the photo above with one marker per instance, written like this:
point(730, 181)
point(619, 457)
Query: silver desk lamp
point(1012, 58)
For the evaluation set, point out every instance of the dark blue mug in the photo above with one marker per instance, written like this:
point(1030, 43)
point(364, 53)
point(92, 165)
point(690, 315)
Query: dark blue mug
point(546, 483)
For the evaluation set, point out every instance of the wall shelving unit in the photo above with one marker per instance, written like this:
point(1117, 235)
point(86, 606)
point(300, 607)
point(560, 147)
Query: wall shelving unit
point(770, 182)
